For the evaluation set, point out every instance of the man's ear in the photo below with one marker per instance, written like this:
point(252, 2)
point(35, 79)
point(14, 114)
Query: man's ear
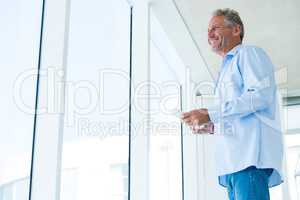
point(236, 30)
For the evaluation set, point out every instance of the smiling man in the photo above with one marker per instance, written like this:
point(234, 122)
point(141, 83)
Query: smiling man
point(245, 115)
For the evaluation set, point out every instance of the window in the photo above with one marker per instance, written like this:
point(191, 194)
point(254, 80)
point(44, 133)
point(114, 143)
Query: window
point(97, 92)
point(165, 162)
point(292, 139)
point(20, 22)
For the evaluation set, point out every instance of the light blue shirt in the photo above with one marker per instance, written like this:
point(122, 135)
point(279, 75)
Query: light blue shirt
point(246, 114)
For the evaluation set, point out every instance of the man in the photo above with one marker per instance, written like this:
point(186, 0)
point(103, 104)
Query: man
point(245, 115)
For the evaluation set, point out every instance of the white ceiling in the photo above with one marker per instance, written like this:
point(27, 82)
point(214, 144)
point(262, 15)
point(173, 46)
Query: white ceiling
point(273, 25)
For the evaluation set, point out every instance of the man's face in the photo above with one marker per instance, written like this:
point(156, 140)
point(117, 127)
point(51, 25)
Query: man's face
point(220, 36)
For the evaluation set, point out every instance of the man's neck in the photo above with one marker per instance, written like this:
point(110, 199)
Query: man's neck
point(227, 49)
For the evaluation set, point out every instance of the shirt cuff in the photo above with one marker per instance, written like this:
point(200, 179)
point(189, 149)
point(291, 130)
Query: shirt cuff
point(221, 126)
point(214, 113)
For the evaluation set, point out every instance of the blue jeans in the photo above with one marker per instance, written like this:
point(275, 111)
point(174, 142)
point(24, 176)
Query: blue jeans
point(249, 184)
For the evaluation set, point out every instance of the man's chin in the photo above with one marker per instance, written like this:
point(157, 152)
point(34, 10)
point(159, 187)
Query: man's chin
point(215, 48)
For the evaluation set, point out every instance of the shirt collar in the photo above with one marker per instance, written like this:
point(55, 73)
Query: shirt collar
point(231, 53)
point(234, 50)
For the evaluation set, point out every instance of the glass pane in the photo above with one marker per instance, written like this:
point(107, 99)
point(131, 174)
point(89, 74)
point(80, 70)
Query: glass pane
point(19, 38)
point(95, 147)
point(293, 150)
point(165, 137)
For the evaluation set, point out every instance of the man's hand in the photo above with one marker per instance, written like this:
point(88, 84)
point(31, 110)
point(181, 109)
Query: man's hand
point(207, 128)
point(196, 117)
point(199, 121)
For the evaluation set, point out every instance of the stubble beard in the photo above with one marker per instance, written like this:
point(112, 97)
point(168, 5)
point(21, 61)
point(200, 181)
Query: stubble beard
point(221, 46)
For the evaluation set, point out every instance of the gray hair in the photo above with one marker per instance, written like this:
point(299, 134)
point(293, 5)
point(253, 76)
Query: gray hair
point(232, 18)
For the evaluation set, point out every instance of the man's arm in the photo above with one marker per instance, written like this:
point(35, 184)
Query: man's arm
point(259, 92)
point(259, 88)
